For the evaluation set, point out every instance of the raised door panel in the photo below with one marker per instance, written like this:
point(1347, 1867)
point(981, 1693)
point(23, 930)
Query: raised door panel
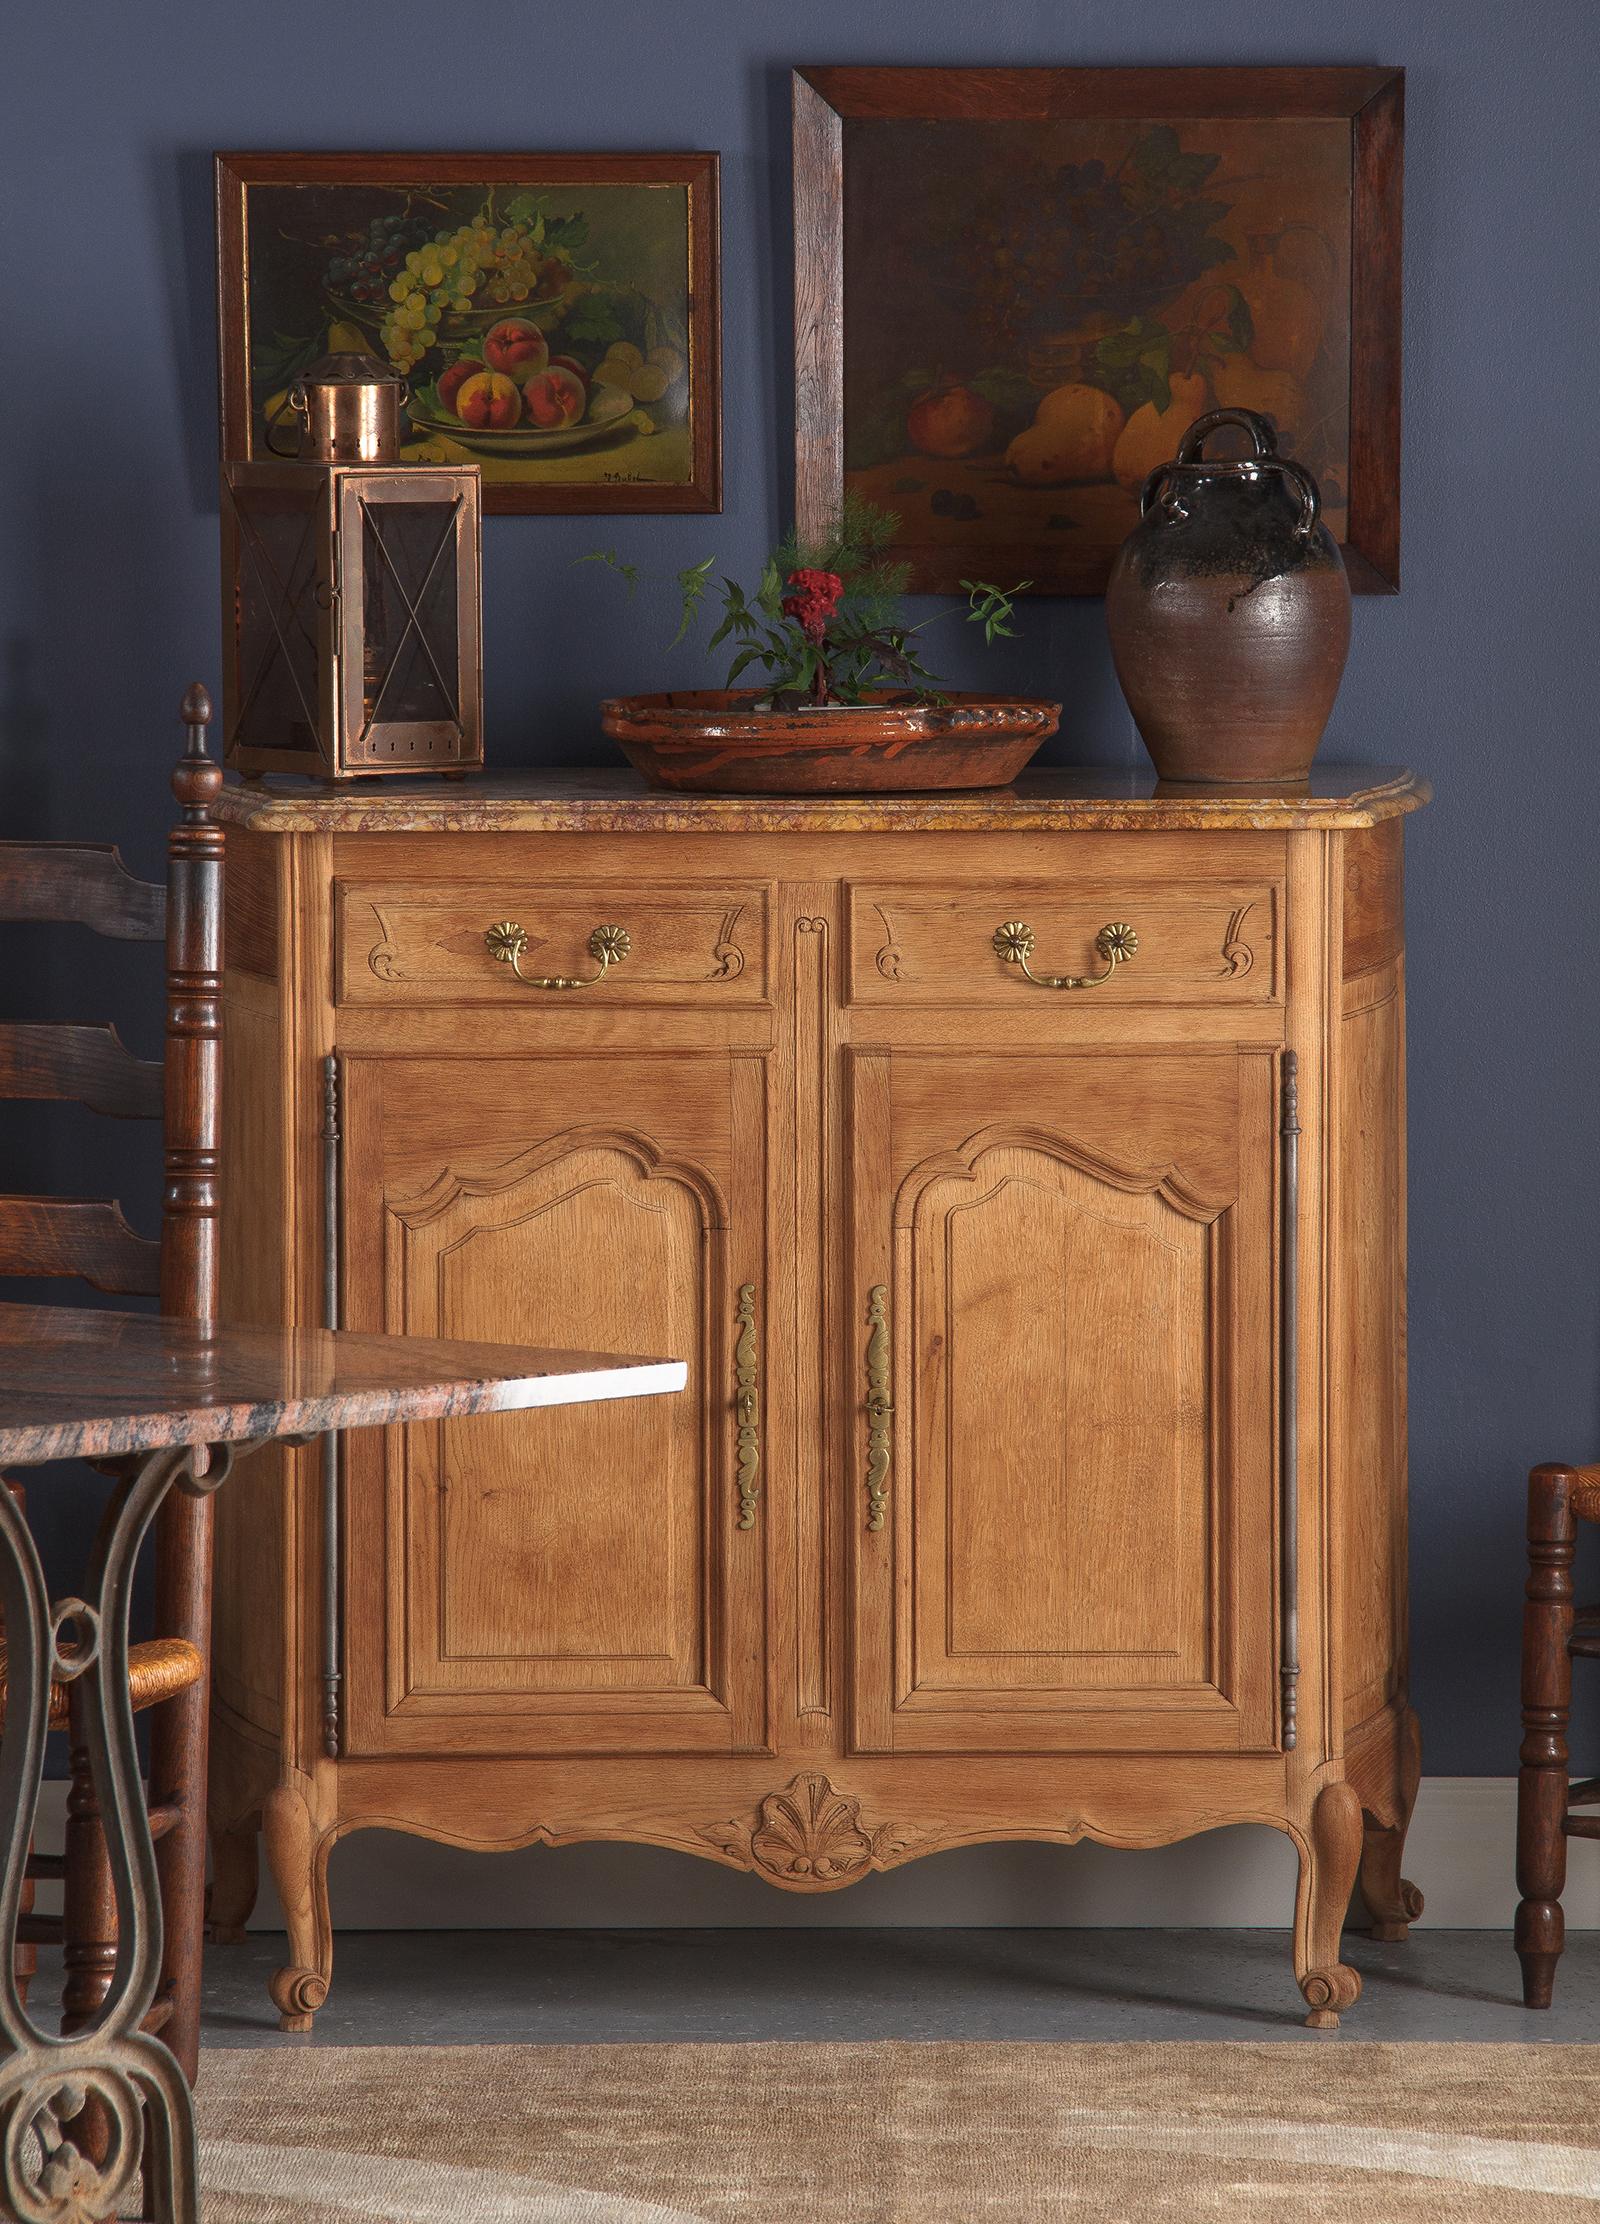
point(575, 1579)
point(1075, 1485)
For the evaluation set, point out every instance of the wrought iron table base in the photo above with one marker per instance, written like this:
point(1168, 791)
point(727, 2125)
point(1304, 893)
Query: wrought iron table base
point(46, 2081)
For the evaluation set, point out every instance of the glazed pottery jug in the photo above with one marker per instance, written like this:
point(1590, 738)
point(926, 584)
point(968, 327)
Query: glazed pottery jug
point(1229, 612)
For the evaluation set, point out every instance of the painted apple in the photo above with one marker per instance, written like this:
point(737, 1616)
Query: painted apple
point(452, 380)
point(489, 400)
point(515, 348)
point(554, 398)
point(949, 420)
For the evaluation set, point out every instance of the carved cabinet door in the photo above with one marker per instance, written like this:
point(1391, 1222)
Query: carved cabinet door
point(1064, 1498)
point(580, 1579)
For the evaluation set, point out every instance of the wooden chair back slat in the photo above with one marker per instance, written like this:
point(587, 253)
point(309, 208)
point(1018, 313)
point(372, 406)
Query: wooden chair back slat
point(45, 1238)
point(59, 881)
point(80, 883)
point(91, 1066)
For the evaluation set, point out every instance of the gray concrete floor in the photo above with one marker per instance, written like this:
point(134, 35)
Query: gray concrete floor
point(467, 1988)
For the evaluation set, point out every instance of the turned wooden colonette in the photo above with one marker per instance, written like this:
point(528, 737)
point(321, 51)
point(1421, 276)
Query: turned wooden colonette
point(1022, 1176)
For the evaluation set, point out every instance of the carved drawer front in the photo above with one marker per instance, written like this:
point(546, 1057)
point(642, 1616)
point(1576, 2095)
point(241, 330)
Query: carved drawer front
point(1004, 943)
point(522, 940)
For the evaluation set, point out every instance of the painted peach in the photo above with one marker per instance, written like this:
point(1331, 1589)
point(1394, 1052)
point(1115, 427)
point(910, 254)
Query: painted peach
point(554, 398)
point(516, 348)
point(489, 400)
point(452, 380)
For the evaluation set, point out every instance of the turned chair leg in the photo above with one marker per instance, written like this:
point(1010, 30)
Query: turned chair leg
point(88, 1928)
point(1546, 1704)
point(88, 1903)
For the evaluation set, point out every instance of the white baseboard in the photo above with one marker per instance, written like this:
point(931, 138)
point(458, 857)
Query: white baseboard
point(1460, 1851)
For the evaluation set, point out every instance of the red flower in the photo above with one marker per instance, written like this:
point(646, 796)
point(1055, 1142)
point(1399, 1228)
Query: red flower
point(815, 599)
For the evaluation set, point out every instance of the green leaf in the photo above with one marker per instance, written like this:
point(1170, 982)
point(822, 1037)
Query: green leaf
point(1154, 154)
point(566, 232)
point(1188, 172)
point(612, 562)
point(593, 321)
point(692, 586)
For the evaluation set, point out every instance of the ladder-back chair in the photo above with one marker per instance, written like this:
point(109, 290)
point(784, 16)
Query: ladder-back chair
point(92, 1241)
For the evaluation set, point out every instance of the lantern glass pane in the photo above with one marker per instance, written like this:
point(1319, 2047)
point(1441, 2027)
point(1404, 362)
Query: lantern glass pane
point(278, 620)
point(410, 645)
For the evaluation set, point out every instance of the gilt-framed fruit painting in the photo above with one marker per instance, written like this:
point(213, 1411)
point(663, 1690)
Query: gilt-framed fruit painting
point(1016, 288)
point(555, 317)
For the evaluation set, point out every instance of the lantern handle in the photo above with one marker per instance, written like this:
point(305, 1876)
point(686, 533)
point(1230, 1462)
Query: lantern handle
point(294, 397)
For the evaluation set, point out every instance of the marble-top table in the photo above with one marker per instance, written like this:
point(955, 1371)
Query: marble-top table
point(175, 1404)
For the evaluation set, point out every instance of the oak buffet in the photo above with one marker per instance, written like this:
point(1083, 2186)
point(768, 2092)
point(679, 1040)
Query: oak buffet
point(1042, 1470)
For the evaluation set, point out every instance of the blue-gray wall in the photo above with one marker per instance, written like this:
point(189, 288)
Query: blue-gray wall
point(1481, 673)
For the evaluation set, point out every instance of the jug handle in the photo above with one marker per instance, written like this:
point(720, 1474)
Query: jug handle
point(1265, 443)
point(1263, 439)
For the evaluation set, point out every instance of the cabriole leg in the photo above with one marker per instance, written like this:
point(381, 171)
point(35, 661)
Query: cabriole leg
point(300, 1873)
point(1328, 1863)
point(1393, 1901)
point(235, 1881)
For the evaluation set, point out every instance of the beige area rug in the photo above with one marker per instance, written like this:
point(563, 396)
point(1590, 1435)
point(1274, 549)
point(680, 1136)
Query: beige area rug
point(903, 2134)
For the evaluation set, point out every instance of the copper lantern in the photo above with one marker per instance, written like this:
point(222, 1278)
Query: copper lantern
point(352, 596)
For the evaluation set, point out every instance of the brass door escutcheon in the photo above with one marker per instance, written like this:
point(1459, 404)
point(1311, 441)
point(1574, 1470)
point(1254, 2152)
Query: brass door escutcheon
point(747, 1406)
point(1116, 943)
point(880, 1406)
point(506, 941)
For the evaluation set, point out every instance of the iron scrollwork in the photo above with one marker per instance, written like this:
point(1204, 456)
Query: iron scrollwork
point(141, 2104)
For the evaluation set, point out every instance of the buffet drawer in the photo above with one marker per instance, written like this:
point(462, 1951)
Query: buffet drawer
point(399, 943)
point(1213, 942)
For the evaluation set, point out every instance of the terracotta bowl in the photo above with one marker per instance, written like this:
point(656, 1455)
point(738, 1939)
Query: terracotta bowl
point(712, 742)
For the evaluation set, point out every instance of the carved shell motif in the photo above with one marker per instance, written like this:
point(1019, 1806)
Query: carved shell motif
point(810, 1838)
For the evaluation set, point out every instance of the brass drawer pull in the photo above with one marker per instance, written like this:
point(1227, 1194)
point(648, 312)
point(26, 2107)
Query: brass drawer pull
point(879, 1404)
point(747, 1405)
point(1013, 943)
point(506, 941)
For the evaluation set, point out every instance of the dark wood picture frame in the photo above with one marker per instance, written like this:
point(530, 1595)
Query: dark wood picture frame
point(1371, 100)
point(698, 173)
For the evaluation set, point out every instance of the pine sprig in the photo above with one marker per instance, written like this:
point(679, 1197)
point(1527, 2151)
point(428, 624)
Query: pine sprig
point(865, 641)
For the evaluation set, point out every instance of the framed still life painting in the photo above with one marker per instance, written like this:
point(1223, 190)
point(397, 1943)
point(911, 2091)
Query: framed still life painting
point(1016, 288)
point(555, 317)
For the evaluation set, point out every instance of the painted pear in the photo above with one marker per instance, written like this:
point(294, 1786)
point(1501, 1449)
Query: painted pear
point(1151, 435)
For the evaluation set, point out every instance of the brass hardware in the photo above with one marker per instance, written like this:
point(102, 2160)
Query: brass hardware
point(879, 1404)
point(506, 941)
point(1289, 1392)
point(1116, 943)
point(747, 1406)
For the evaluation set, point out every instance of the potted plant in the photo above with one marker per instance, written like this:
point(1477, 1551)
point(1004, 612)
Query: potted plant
point(846, 704)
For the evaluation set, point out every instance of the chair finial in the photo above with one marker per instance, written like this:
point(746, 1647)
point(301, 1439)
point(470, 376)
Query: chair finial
point(197, 779)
